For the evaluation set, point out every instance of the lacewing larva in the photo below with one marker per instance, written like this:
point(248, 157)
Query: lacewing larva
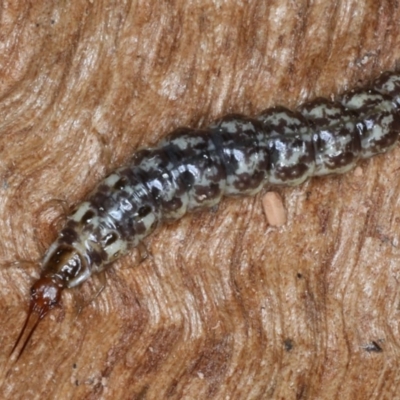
point(192, 169)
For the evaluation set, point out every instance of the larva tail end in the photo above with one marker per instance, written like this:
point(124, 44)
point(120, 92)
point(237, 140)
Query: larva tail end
point(45, 295)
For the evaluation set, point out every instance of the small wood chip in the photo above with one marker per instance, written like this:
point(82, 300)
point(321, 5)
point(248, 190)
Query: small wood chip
point(358, 171)
point(274, 209)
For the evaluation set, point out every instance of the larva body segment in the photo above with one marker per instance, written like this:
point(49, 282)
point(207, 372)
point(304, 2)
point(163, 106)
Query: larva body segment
point(288, 140)
point(337, 136)
point(377, 116)
point(193, 169)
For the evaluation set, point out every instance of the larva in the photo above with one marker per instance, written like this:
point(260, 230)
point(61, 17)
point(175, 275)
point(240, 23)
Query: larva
point(193, 169)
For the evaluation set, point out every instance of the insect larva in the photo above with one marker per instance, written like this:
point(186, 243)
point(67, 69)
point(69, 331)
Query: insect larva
point(193, 169)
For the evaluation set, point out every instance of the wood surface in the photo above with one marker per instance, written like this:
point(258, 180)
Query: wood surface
point(224, 306)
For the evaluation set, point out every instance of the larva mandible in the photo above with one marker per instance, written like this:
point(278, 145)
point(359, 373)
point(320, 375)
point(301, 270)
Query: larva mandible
point(192, 169)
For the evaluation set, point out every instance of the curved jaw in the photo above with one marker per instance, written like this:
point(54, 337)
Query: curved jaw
point(45, 295)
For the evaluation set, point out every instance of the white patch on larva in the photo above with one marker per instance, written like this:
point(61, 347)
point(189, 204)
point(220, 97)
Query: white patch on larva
point(112, 180)
point(229, 126)
point(386, 106)
point(324, 111)
point(118, 247)
point(306, 137)
point(95, 221)
point(116, 214)
point(274, 209)
point(248, 126)
point(85, 206)
point(186, 141)
point(390, 85)
point(350, 126)
point(359, 100)
point(82, 277)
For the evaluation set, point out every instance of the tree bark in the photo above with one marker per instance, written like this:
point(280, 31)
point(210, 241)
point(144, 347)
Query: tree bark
point(224, 307)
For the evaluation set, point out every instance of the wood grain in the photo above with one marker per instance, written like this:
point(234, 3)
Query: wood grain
point(224, 307)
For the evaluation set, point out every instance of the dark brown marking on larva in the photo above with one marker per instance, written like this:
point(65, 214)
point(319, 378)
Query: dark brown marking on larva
point(187, 179)
point(140, 228)
point(143, 211)
point(206, 192)
point(109, 239)
point(87, 217)
point(97, 256)
point(191, 169)
point(120, 184)
point(68, 235)
point(101, 201)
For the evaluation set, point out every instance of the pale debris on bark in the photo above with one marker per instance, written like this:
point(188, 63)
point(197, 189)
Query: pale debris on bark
point(223, 307)
point(274, 209)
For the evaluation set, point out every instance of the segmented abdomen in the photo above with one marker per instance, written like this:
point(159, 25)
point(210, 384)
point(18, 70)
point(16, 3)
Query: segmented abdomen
point(236, 155)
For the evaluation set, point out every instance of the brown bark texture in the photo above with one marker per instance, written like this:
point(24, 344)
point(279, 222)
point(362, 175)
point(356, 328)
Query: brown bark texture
point(224, 306)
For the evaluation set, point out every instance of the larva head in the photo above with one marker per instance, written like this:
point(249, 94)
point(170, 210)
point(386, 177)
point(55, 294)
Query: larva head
point(45, 295)
point(63, 266)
